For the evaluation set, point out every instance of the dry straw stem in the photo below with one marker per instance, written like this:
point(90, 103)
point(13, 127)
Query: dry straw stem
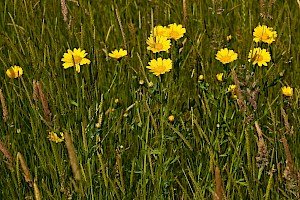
point(4, 108)
point(36, 190)
point(7, 154)
point(219, 193)
point(121, 27)
point(64, 10)
point(241, 102)
point(74, 184)
point(103, 169)
point(184, 12)
point(119, 166)
point(288, 154)
point(35, 91)
point(262, 148)
point(47, 112)
point(25, 169)
point(72, 156)
point(286, 120)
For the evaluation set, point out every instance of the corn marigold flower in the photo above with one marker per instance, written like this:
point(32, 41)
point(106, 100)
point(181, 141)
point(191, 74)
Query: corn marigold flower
point(226, 56)
point(14, 72)
point(175, 31)
point(150, 84)
point(259, 56)
point(75, 58)
point(158, 43)
point(201, 77)
point(160, 31)
point(141, 82)
point(231, 88)
point(228, 38)
point(117, 100)
point(171, 118)
point(160, 66)
point(118, 54)
point(54, 137)
point(220, 77)
point(287, 91)
point(264, 34)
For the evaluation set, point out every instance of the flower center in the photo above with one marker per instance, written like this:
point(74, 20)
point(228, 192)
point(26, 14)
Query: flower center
point(77, 59)
point(160, 69)
point(174, 34)
point(265, 36)
point(226, 58)
point(259, 58)
point(158, 46)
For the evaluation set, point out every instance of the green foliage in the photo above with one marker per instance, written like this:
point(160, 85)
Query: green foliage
point(128, 149)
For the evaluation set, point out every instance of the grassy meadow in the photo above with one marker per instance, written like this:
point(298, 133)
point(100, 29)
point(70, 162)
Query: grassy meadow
point(122, 132)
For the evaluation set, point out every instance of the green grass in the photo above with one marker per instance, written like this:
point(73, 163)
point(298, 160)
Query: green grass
point(136, 152)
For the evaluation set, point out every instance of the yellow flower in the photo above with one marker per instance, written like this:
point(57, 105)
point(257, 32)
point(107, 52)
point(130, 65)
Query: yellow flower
point(175, 31)
point(158, 43)
point(259, 56)
point(220, 77)
point(201, 78)
point(141, 82)
point(150, 84)
point(231, 88)
point(228, 38)
point(14, 72)
point(160, 66)
point(117, 100)
point(264, 34)
point(160, 31)
point(226, 56)
point(54, 137)
point(118, 54)
point(171, 118)
point(287, 91)
point(75, 58)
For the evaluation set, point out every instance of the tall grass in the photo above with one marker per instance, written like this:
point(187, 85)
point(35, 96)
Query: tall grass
point(216, 147)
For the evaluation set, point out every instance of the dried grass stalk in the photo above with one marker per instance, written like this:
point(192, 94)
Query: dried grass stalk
point(263, 155)
point(240, 100)
point(35, 91)
point(72, 156)
point(288, 154)
point(74, 184)
point(121, 27)
point(25, 169)
point(184, 13)
point(286, 120)
point(219, 193)
point(64, 10)
point(44, 100)
point(7, 154)
point(119, 168)
point(36, 190)
point(4, 108)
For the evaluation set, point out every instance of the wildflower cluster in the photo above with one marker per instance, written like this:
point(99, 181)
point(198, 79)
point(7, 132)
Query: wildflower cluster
point(158, 41)
point(258, 55)
point(231, 89)
point(264, 34)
